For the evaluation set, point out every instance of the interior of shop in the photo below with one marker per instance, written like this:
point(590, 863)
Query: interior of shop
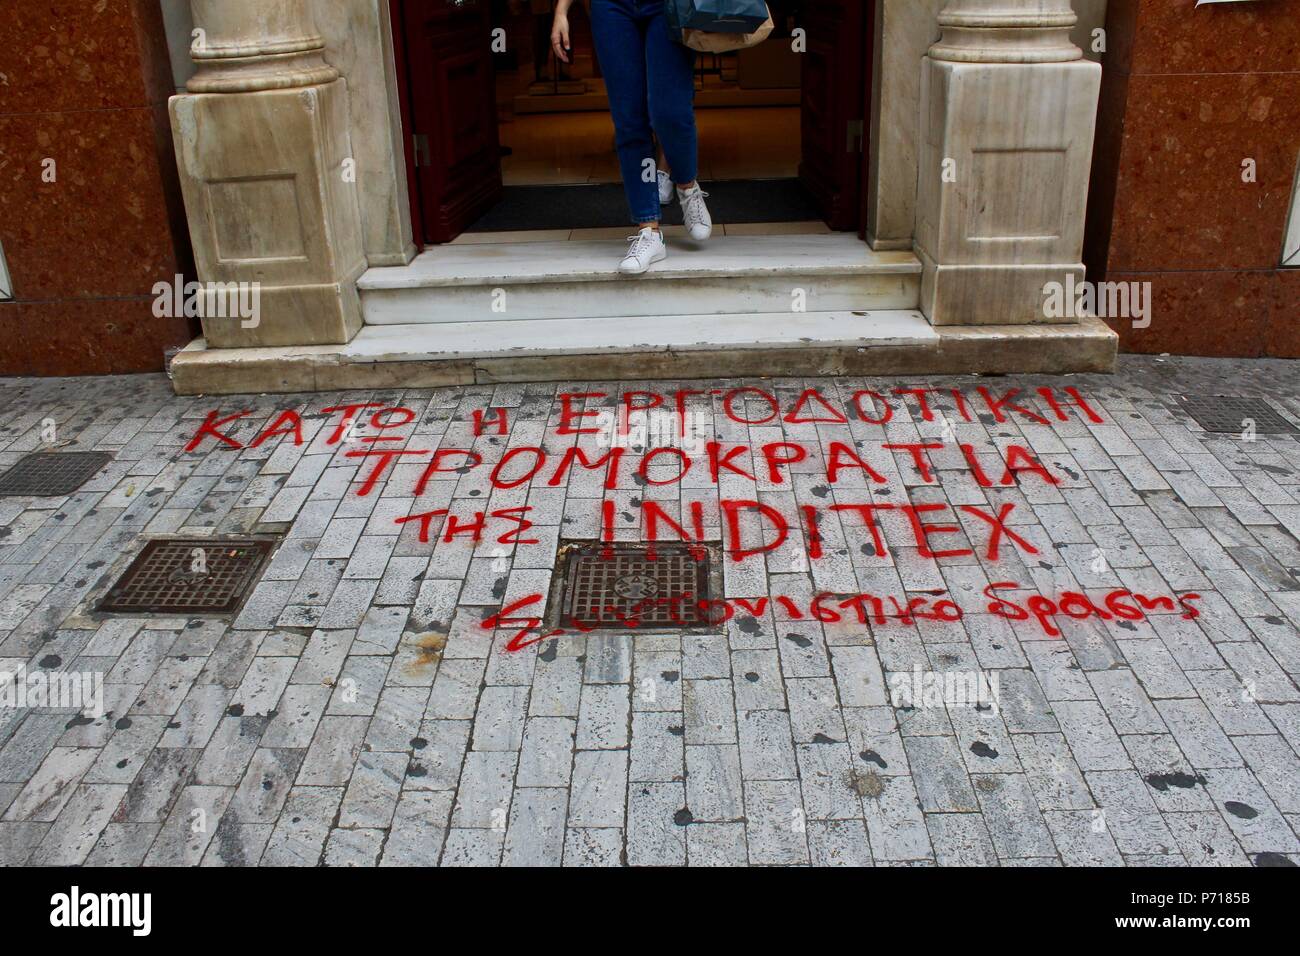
point(556, 131)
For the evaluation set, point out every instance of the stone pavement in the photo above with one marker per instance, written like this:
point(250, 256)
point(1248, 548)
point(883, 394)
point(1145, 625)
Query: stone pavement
point(358, 712)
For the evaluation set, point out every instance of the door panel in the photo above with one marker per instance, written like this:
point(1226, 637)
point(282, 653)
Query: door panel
point(453, 112)
point(835, 80)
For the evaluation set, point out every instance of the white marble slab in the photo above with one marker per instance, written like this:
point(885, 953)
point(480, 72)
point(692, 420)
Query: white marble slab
point(647, 302)
point(732, 257)
point(477, 340)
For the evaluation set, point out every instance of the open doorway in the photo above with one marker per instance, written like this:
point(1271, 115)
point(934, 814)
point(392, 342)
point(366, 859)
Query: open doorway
point(504, 138)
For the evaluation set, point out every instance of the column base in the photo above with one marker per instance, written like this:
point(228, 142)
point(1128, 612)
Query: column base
point(995, 294)
point(272, 203)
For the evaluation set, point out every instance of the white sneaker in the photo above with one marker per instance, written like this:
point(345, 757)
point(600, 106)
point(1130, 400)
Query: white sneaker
point(695, 213)
point(665, 188)
point(647, 248)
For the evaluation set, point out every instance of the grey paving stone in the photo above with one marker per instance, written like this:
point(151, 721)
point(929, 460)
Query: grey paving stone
point(69, 840)
point(766, 748)
point(197, 717)
point(333, 752)
point(814, 710)
point(593, 847)
point(473, 848)
point(656, 680)
point(874, 736)
point(1010, 812)
point(1092, 739)
point(599, 788)
point(1126, 703)
point(150, 797)
point(297, 717)
point(714, 791)
point(1083, 838)
point(123, 844)
point(657, 748)
point(1276, 767)
point(1205, 839)
point(499, 721)
point(557, 687)
point(373, 790)
point(838, 843)
point(1201, 739)
point(535, 836)
point(656, 824)
point(237, 844)
point(709, 712)
point(603, 717)
point(456, 690)
point(45, 795)
point(1172, 783)
point(354, 847)
point(419, 829)
point(895, 823)
point(716, 844)
point(1249, 812)
point(960, 839)
point(546, 754)
point(486, 785)
point(776, 824)
point(1022, 704)
point(940, 775)
point(304, 825)
point(189, 828)
point(1129, 814)
point(609, 659)
point(126, 751)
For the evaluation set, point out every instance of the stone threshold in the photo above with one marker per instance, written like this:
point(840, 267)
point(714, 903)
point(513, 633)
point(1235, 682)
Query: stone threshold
point(670, 347)
point(594, 261)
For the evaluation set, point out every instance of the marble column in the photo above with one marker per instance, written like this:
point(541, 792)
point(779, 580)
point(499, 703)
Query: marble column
point(262, 141)
point(1008, 110)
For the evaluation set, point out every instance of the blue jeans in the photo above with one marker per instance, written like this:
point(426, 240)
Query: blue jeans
point(651, 84)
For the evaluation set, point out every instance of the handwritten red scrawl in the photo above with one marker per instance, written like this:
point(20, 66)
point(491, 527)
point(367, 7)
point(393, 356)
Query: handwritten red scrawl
point(864, 609)
point(749, 528)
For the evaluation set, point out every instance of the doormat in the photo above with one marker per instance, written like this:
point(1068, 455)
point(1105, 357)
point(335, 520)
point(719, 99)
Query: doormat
point(1228, 414)
point(52, 474)
point(604, 205)
point(189, 576)
point(641, 586)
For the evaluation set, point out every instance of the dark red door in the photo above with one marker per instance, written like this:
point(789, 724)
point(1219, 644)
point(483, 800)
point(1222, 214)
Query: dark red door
point(836, 72)
point(455, 151)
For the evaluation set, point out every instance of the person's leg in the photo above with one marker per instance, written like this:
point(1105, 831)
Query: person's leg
point(670, 70)
point(620, 45)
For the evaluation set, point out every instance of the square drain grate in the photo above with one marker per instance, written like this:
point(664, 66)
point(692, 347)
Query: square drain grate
point(48, 474)
point(1228, 414)
point(189, 576)
point(657, 586)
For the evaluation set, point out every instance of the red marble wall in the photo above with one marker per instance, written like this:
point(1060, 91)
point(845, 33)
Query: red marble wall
point(1189, 93)
point(86, 84)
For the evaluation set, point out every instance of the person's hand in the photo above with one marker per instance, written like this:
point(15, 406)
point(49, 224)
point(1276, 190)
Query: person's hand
point(560, 36)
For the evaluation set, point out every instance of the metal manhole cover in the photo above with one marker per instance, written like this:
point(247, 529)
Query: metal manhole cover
point(648, 586)
point(1232, 414)
point(48, 474)
point(189, 576)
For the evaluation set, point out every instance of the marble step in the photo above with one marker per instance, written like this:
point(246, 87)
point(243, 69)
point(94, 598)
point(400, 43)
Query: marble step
point(454, 341)
point(556, 280)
